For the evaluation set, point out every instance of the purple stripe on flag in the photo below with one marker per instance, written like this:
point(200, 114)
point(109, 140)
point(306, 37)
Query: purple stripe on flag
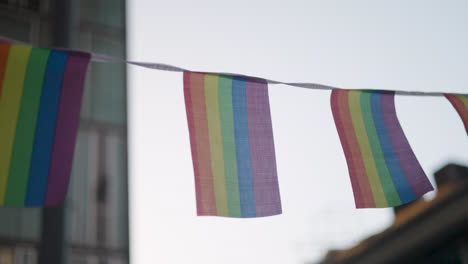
point(413, 171)
point(265, 179)
point(67, 127)
point(5, 41)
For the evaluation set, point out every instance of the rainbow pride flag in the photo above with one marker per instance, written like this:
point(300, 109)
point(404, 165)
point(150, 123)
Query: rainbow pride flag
point(460, 103)
point(232, 145)
point(383, 169)
point(40, 101)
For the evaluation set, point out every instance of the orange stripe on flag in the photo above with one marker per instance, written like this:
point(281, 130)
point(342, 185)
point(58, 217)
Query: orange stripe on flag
point(363, 180)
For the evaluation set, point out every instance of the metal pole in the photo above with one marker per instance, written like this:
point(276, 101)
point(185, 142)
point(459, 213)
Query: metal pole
point(52, 245)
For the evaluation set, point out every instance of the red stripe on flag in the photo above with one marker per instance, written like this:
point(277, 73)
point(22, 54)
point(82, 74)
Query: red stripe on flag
point(358, 199)
point(194, 90)
point(354, 149)
point(4, 51)
point(460, 107)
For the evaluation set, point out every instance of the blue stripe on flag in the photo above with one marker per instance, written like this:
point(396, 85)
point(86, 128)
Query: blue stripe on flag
point(45, 129)
point(244, 166)
point(404, 190)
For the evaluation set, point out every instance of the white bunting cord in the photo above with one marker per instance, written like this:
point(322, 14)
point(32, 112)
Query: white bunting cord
point(315, 86)
point(96, 57)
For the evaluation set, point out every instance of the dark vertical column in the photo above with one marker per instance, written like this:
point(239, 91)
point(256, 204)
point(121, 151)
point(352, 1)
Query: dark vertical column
point(51, 249)
point(52, 245)
point(125, 136)
point(101, 195)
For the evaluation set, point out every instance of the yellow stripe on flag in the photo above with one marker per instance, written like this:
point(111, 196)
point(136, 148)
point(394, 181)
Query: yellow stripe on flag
point(216, 143)
point(9, 108)
point(366, 151)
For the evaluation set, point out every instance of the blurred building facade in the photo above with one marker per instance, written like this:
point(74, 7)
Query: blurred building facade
point(423, 232)
point(92, 225)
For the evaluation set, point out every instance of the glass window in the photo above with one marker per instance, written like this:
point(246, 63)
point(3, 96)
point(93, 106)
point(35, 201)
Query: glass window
point(104, 98)
point(116, 206)
point(104, 12)
point(15, 28)
point(81, 201)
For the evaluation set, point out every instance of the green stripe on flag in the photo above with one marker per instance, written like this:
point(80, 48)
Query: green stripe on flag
point(388, 187)
point(229, 145)
point(26, 127)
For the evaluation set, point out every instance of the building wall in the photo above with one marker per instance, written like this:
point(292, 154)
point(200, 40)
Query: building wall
point(96, 208)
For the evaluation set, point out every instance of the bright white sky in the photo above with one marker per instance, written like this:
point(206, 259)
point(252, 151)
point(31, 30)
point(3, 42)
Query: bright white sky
point(417, 45)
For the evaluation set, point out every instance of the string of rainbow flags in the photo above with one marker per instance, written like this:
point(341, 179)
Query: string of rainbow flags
point(230, 132)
